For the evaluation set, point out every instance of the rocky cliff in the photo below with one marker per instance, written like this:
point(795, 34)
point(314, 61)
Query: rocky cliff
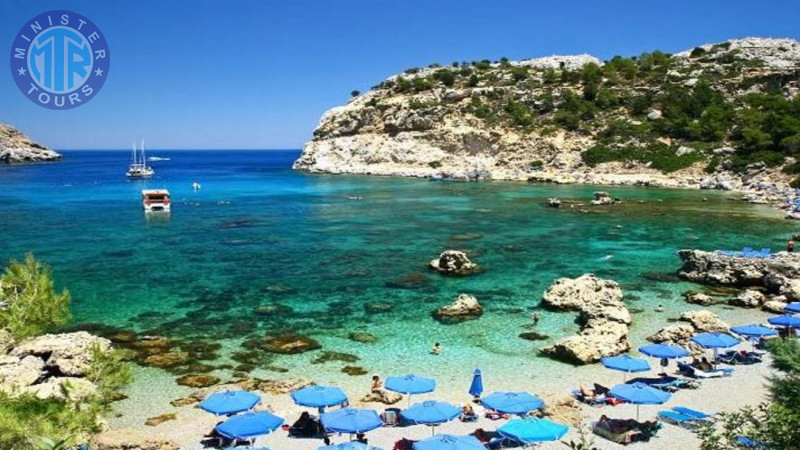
point(15, 147)
point(717, 116)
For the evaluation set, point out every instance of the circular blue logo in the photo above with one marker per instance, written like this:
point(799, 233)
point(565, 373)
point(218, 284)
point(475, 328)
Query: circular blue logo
point(60, 59)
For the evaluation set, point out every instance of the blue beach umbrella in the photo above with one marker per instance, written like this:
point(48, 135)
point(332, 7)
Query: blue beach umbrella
point(431, 413)
point(348, 446)
point(625, 363)
point(319, 396)
point(449, 442)
point(754, 331)
point(639, 394)
point(512, 402)
point(792, 307)
point(249, 425)
point(715, 340)
point(229, 402)
point(351, 420)
point(785, 320)
point(410, 384)
point(664, 351)
point(476, 388)
point(533, 429)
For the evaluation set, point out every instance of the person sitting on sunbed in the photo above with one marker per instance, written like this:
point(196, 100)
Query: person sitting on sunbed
point(468, 413)
point(481, 435)
point(587, 393)
point(704, 365)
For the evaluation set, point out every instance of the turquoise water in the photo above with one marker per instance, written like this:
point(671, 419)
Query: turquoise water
point(258, 233)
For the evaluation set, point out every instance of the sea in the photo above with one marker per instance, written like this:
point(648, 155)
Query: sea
point(326, 256)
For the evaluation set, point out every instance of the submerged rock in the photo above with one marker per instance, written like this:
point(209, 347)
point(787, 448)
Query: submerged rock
point(363, 337)
point(378, 307)
point(334, 356)
point(198, 380)
point(464, 307)
point(415, 280)
point(354, 371)
point(170, 359)
point(454, 262)
point(289, 344)
point(698, 298)
point(534, 336)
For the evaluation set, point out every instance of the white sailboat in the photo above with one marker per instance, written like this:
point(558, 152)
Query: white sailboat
point(139, 167)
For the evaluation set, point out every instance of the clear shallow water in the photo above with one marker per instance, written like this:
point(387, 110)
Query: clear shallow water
point(259, 233)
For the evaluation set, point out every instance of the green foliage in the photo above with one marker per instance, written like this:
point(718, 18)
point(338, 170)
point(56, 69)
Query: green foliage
point(549, 76)
point(660, 156)
point(27, 422)
point(435, 164)
point(697, 52)
point(520, 114)
point(354, 93)
point(421, 84)
point(34, 305)
point(473, 80)
point(445, 76)
point(795, 183)
point(480, 109)
point(519, 73)
point(536, 164)
point(110, 373)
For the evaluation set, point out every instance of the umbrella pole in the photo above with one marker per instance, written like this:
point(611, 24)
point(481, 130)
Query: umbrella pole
point(637, 412)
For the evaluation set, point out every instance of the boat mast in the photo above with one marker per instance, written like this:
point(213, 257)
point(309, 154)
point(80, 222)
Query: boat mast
point(133, 154)
point(144, 160)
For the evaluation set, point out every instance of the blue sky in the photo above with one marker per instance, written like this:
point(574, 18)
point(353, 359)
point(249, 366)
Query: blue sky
point(258, 74)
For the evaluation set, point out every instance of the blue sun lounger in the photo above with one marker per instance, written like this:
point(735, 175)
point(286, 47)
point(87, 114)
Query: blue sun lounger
point(679, 419)
point(699, 415)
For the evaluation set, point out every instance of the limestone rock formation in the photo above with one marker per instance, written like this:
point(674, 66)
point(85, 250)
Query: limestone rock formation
point(464, 307)
point(382, 396)
point(516, 120)
point(15, 147)
point(699, 298)
point(290, 343)
point(70, 353)
point(691, 323)
point(603, 315)
point(454, 262)
point(705, 321)
point(749, 298)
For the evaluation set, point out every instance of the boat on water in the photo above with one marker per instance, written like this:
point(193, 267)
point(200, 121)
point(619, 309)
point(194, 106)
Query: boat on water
point(155, 200)
point(139, 167)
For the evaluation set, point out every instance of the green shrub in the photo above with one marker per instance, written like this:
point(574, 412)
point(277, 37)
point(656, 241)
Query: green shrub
point(421, 84)
point(519, 73)
point(435, 164)
point(661, 156)
point(520, 114)
point(537, 164)
point(109, 373)
point(354, 93)
point(27, 422)
point(697, 52)
point(473, 80)
point(445, 76)
point(34, 305)
point(795, 183)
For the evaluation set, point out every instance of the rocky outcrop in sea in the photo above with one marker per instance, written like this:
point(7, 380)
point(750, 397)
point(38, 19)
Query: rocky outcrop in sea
point(16, 147)
point(603, 316)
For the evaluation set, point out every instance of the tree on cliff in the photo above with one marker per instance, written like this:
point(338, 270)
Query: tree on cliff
point(29, 303)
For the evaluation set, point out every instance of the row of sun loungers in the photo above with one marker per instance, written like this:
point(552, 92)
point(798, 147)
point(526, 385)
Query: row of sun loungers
point(694, 372)
point(744, 358)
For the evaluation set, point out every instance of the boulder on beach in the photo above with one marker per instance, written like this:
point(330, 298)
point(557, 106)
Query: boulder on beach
point(464, 307)
point(603, 315)
point(382, 396)
point(705, 321)
point(130, 439)
point(774, 306)
point(699, 298)
point(749, 298)
point(157, 420)
point(69, 353)
point(454, 262)
point(17, 373)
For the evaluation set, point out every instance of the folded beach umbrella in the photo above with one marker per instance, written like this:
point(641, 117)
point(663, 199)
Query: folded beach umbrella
point(348, 446)
point(754, 331)
point(792, 307)
point(229, 402)
point(431, 413)
point(351, 420)
point(512, 402)
point(449, 442)
point(785, 320)
point(249, 425)
point(476, 388)
point(625, 363)
point(639, 394)
point(664, 351)
point(319, 396)
point(533, 429)
point(410, 384)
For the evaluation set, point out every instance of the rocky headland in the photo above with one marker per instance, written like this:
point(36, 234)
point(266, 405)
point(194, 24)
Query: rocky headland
point(689, 119)
point(16, 148)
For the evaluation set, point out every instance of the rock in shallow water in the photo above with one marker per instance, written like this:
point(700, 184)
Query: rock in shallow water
point(157, 420)
point(363, 337)
point(464, 307)
point(198, 380)
point(289, 344)
point(454, 262)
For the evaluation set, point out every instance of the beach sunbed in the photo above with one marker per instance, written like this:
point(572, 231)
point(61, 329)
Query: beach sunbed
point(694, 372)
point(676, 418)
point(597, 400)
point(699, 415)
point(625, 431)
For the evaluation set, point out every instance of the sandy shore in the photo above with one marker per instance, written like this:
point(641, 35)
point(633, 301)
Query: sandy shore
point(746, 386)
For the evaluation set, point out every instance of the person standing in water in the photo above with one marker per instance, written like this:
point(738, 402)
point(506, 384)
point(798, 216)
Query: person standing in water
point(790, 246)
point(436, 349)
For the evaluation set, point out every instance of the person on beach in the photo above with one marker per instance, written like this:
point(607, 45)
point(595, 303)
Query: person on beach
point(436, 349)
point(377, 383)
point(362, 438)
point(468, 413)
point(790, 246)
point(705, 365)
